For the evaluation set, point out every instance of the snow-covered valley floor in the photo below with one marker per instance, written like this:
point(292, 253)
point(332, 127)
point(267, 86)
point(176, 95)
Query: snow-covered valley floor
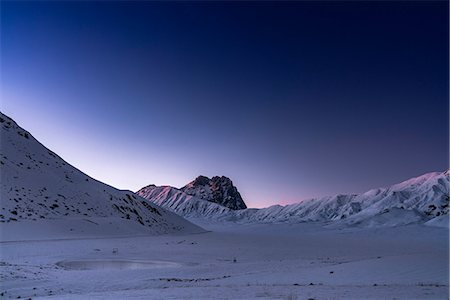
point(276, 261)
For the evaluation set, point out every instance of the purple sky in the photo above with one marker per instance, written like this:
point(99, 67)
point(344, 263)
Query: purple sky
point(290, 100)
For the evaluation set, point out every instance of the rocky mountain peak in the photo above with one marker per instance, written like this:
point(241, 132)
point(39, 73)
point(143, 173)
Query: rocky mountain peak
point(219, 189)
point(201, 181)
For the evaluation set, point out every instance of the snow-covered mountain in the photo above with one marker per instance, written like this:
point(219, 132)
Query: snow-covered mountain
point(417, 200)
point(201, 197)
point(37, 186)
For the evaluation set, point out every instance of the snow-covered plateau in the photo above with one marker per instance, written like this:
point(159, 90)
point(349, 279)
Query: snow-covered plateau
point(65, 235)
point(251, 261)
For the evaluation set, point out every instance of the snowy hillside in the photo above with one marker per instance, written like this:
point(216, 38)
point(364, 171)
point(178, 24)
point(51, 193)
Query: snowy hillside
point(417, 200)
point(181, 203)
point(38, 187)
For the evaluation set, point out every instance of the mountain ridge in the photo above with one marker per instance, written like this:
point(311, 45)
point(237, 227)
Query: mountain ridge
point(418, 199)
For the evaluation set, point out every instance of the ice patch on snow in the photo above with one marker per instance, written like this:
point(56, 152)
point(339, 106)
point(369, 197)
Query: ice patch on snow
point(84, 265)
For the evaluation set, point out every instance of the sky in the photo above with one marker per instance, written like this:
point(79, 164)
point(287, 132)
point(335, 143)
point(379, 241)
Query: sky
point(291, 100)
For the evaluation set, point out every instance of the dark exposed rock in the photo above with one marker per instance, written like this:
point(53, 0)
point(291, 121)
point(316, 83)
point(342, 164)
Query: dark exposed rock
point(219, 189)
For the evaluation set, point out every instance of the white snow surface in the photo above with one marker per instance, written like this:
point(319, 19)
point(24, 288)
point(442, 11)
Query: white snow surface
point(417, 200)
point(441, 221)
point(41, 196)
point(234, 261)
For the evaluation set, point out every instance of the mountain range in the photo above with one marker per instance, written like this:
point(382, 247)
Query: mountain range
point(418, 200)
point(38, 189)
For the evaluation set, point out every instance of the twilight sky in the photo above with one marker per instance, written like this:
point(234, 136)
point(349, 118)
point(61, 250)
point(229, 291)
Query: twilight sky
point(290, 100)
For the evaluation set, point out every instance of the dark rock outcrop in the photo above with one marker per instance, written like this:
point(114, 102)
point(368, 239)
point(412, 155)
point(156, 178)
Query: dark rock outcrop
point(219, 189)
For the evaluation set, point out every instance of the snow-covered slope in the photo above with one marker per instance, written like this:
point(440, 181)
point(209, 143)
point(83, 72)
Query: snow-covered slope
point(417, 200)
point(38, 186)
point(180, 202)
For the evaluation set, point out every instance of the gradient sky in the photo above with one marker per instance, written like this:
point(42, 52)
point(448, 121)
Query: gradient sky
point(290, 100)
